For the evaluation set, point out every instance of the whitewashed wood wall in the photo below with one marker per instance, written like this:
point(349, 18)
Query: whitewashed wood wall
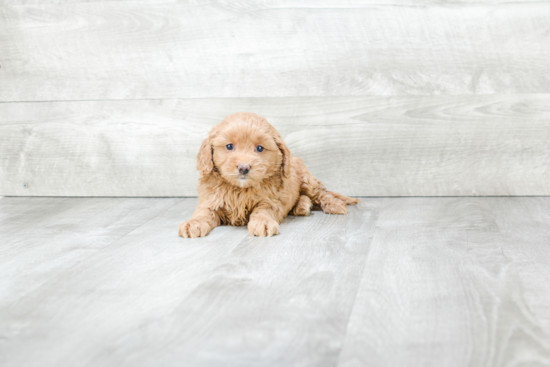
point(379, 97)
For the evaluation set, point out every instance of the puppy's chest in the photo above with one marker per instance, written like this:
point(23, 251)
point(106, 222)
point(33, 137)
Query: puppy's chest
point(236, 211)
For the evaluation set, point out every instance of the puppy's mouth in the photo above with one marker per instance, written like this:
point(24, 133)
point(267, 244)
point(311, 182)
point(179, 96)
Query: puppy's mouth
point(243, 181)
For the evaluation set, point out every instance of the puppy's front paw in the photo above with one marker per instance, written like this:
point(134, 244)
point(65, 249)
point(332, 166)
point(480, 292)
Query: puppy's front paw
point(263, 227)
point(194, 228)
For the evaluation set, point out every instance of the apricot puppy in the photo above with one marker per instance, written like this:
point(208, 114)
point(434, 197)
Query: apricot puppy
point(248, 177)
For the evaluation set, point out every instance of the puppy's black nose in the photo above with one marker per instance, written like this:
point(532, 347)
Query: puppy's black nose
point(243, 169)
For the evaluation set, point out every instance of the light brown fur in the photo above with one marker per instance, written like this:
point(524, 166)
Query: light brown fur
point(277, 184)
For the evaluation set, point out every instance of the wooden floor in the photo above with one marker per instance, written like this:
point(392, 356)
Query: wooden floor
point(396, 282)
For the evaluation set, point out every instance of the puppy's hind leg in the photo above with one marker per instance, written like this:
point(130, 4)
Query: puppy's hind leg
point(302, 207)
point(329, 203)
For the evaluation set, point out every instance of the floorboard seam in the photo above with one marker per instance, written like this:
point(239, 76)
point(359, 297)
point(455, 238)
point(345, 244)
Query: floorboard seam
point(344, 336)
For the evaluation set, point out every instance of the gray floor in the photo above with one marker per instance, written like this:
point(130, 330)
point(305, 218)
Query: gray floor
point(396, 282)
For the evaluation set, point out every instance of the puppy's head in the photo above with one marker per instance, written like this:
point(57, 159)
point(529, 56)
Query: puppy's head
point(244, 149)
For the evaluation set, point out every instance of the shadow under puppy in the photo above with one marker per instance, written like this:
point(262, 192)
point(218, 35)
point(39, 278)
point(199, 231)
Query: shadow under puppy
point(248, 177)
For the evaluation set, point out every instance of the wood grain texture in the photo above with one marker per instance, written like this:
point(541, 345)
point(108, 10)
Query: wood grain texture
point(360, 146)
point(526, 230)
point(98, 50)
point(153, 298)
point(396, 282)
point(47, 240)
point(450, 282)
point(13, 209)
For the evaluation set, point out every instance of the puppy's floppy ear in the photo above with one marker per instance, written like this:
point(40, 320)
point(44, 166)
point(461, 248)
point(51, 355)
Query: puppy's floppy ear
point(285, 165)
point(205, 161)
point(205, 158)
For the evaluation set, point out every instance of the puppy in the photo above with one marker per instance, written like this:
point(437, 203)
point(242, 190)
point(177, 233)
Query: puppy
point(248, 177)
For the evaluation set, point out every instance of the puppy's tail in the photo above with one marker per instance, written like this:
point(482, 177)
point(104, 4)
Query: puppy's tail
point(345, 199)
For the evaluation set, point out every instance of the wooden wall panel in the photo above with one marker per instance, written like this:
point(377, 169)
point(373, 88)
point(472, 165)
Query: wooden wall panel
point(97, 50)
point(364, 146)
point(391, 97)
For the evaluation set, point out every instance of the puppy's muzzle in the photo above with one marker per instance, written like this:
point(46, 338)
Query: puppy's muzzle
point(243, 169)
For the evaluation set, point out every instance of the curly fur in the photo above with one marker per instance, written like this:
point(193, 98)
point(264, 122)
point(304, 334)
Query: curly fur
point(276, 185)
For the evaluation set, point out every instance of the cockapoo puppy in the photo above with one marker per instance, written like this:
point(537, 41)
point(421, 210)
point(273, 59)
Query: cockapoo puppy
point(248, 177)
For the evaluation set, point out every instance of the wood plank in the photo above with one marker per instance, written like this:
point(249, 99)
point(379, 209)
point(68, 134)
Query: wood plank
point(362, 146)
point(525, 226)
point(214, 49)
point(446, 285)
point(38, 247)
point(15, 208)
point(432, 281)
point(152, 298)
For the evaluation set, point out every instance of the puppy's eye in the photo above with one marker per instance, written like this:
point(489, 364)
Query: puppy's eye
point(229, 146)
point(259, 149)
